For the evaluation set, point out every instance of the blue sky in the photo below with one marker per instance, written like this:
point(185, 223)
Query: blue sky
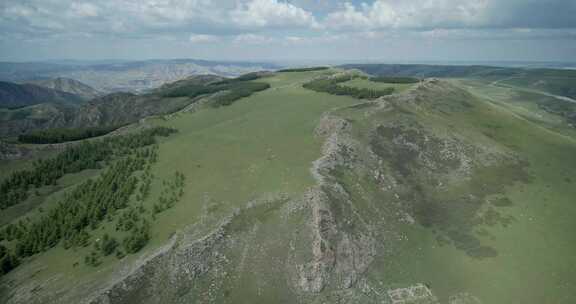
point(296, 30)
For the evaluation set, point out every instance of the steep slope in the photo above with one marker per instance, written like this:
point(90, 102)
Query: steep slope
point(46, 115)
point(14, 95)
point(433, 195)
point(69, 86)
point(111, 110)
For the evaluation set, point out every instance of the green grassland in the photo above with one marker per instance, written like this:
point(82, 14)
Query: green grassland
point(535, 260)
point(560, 84)
point(230, 156)
point(531, 105)
point(500, 233)
point(531, 236)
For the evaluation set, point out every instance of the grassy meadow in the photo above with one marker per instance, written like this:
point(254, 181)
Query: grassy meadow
point(535, 261)
point(230, 156)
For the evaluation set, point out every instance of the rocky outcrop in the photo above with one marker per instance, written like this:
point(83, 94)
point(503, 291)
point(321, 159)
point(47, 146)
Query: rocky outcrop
point(338, 257)
point(175, 265)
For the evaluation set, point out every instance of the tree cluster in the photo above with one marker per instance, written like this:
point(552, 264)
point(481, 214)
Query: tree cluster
point(8, 261)
point(332, 86)
point(59, 135)
point(82, 209)
point(398, 80)
point(303, 69)
point(172, 192)
point(245, 77)
point(138, 238)
point(129, 218)
point(86, 155)
point(235, 88)
point(240, 92)
point(145, 184)
point(105, 246)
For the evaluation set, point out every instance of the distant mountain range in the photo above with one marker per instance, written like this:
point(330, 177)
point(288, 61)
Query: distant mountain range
point(13, 95)
point(69, 86)
point(113, 109)
point(130, 76)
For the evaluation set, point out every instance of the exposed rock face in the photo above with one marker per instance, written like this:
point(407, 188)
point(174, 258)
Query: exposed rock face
point(313, 276)
point(339, 257)
point(175, 266)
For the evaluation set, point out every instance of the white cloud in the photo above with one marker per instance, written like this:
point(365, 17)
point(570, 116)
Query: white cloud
point(84, 9)
point(252, 39)
point(349, 17)
point(17, 10)
point(490, 34)
point(272, 13)
point(295, 39)
point(393, 14)
point(284, 22)
point(199, 38)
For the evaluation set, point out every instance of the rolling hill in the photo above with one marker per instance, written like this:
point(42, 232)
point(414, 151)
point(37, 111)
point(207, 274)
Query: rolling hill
point(451, 191)
point(554, 81)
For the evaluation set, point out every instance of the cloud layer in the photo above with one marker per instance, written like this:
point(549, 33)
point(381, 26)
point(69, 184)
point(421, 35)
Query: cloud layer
point(301, 22)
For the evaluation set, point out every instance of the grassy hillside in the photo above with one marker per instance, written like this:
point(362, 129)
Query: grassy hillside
point(487, 232)
point(457, 190)
point(232, 160)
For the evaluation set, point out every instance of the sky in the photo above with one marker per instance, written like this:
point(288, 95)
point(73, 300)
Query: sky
point(289, 30)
